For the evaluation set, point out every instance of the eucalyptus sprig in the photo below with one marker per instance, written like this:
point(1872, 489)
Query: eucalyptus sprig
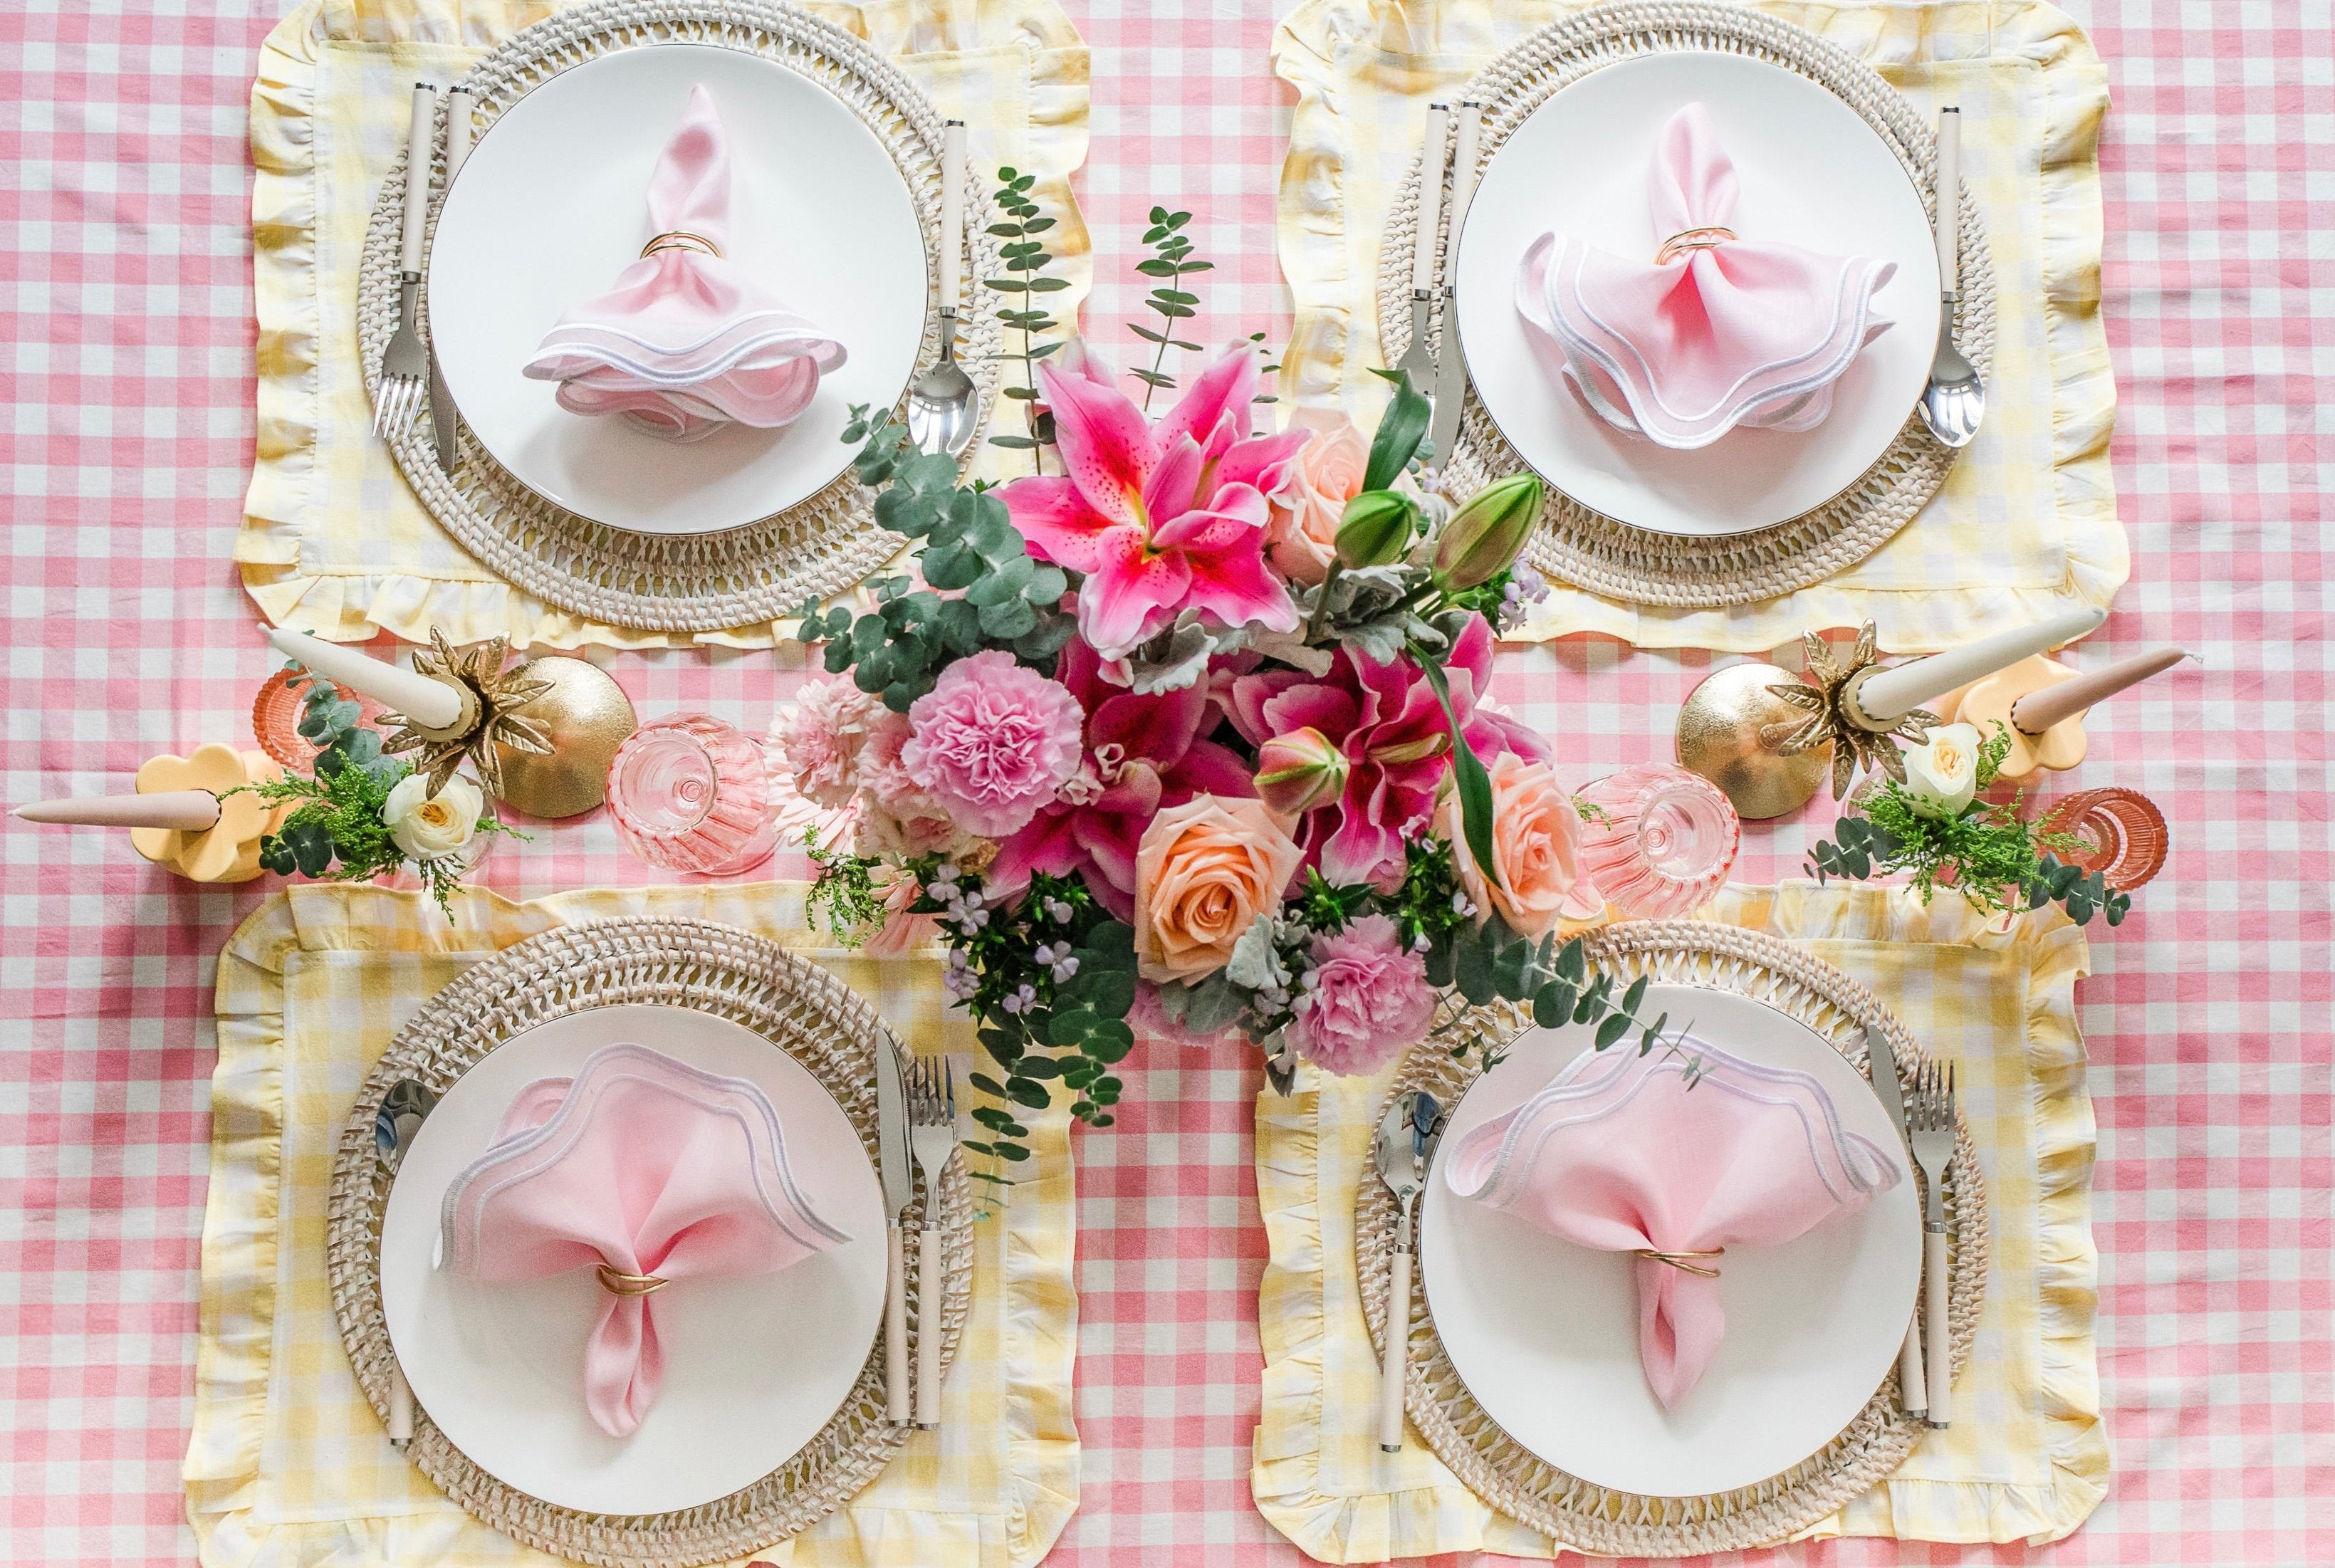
point(1026, 259)
point(1171, 259)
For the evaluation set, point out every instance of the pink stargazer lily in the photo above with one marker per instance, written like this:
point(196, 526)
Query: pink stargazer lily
point(1160, 518)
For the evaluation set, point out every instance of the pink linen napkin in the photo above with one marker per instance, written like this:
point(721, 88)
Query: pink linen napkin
point(645, 1166)
point(687, 340)
point(1721, 332)
point(1622, 1152)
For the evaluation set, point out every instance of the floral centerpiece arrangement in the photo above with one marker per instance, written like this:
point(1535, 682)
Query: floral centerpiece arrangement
point(1193, 740)
point(361, 815)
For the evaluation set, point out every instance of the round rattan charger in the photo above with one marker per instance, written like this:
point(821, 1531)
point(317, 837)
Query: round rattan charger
point(730, 973)
point(741, 576)
point(1587, 548)
point(1593, 1519)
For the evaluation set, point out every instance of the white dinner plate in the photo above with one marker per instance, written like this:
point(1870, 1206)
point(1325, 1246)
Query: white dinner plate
point(1811, 172)
point(754, 1367)
point(552, 205)
point(1545, 1333)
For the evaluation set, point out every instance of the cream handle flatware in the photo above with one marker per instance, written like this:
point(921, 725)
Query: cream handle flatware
point(400, 1409)
point(1948, 187)
point(928, 1327)
point(1913, 1392)
point(895, 1325)
point(1938, 1328)
point(1431, 199)
point(952, 214)
point(417, 176)
point(459, 106)
point(1463, 186)
point(1394, 1364)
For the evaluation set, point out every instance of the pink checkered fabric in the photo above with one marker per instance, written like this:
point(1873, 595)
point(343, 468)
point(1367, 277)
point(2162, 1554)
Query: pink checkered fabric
point(126, 358)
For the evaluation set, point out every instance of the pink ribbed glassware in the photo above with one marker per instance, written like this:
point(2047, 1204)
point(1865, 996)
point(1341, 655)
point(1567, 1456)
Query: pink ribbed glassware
point(690, 793)
point(1665, 842)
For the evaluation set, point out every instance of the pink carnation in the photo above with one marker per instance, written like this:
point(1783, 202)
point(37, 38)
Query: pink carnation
point(992, 741)
point(821, 738)
point(1364, 999)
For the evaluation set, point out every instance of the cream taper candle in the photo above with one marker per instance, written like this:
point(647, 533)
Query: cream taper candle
point(433, 703)
point(2040, 709)
point(1888, 695)
point(186, 811)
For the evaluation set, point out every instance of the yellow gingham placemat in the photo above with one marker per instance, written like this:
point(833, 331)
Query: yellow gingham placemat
point(289, 1467)
point(333, 540)
point(2027, 1457)
point(2026, 522)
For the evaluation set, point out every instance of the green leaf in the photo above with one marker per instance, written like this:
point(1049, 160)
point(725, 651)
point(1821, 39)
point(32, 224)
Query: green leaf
point(1634, 995)
point(1474, 972)
point(1573, 961)
point(1010, 619)
point(1552, 1005)
point(1029, 1092)
point(1612, 1029)
point(1049, 285)
point(1110, 1040)
point(1400, 430)
point(1475, 785)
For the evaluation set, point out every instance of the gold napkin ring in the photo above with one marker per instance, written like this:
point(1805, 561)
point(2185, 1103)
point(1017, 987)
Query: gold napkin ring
point(1681, 1260)
point(680, 239)
point(1702, 238)
point(617, 1283)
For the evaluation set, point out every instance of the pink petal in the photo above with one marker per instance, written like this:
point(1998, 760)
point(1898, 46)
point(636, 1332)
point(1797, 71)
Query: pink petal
point(1224, 391)
point(1131, 595)
point(1235, 507)
point(1102, 442)
point(1171, 490)
point(1209, 768)
point(1055, 518)
point(1156, 729)
point(1229, 578)
point(1046, 845)
point(1262, 462)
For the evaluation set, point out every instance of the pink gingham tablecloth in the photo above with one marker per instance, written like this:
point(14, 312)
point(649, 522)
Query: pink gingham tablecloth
point(126, 360)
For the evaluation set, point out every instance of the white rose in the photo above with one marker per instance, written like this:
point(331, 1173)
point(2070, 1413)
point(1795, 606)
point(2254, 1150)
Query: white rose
point(428, 826)
point(1941, 772)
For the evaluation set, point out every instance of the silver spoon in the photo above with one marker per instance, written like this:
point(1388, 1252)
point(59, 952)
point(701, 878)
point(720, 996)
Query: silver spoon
point(1404, 1144)
point(402, 1110)
point(1954, 402)
point(941, 400)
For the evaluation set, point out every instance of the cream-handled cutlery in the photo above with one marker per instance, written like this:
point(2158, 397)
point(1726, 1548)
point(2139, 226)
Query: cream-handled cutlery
point(1416, 361)
point(1404, 1147)
point(1913, 1395)
point(932, 1111)
point(1450, 364)
point(1933, 1117)
point(892, 1163)
point(441, 401)
point(1954, 402)
point(404, 365)
point(402, 1113)
point(941, 400)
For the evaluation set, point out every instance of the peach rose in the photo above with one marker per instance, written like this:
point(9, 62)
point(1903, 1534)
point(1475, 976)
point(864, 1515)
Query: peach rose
point(1302, 534)
point(1535, 848)
point(1204, 872)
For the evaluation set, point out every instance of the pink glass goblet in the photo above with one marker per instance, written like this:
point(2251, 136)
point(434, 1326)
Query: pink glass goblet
point(1662, 842)
point(690, 793)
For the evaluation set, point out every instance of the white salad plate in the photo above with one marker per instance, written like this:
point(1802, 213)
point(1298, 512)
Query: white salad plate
point(1545, 1333)
point(753, 1367)
point(553, 204)
point(1811, 172)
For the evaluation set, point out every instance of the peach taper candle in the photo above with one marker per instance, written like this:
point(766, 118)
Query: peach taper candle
point(185, 816)
point(2041, 702)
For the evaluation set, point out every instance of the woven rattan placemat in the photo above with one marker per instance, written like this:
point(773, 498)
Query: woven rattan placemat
point(680, 582)
point(714, 969)
point(1595, 552)
point(1593, 1519)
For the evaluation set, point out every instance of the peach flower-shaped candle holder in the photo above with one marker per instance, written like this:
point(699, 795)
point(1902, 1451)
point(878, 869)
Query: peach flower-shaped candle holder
point(2041, 704)
point(185, 816)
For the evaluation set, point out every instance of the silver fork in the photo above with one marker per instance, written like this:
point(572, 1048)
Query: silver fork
point(404, 363)
point(931, 1136)
point(1930, 1117)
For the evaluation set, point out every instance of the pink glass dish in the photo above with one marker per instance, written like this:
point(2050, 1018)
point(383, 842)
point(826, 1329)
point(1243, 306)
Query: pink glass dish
point(2123, 830)
point(690, 793)
point(1662, 841)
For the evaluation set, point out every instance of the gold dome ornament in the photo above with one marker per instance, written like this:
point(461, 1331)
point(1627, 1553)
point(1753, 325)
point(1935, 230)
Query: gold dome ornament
point(1763, 735)
point(539, 735)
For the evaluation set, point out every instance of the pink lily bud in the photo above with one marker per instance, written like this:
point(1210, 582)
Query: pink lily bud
point(1299, 771)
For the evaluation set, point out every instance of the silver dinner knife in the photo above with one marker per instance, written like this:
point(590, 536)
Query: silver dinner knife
point(1913, 1387)
point(1451, 371)
point(441, 401)
point(891, 1156)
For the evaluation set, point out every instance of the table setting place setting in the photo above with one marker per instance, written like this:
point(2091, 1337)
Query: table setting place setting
point(1614, 1205)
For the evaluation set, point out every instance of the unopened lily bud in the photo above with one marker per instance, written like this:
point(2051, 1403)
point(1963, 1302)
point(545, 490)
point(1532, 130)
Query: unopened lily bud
point(1299, 770)
point(1485, 535)
point(1376, 526)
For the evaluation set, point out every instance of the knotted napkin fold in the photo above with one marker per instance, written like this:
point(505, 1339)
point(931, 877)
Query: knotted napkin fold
point(646, 1171)
point(1676, 1157)
point(687, 340)
point(1713, 330)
